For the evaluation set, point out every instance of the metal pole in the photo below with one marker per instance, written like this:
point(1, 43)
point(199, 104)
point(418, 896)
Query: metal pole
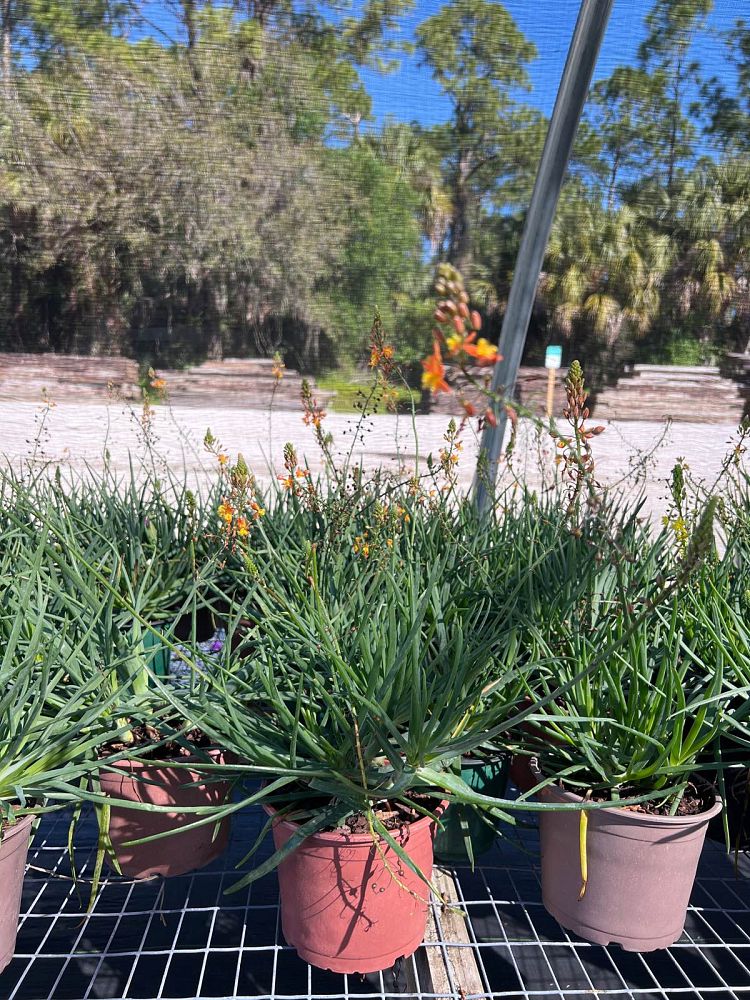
point(574, 85)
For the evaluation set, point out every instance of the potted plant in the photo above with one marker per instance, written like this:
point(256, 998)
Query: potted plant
point(638, 668)
point(467, 832)
point(48, 727)
point(367, 678)
point(153, 759)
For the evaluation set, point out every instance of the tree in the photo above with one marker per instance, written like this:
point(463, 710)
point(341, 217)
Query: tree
point(621, 113)
point(382, 253)
point(710, 279)
point(729, 108)
point(604, 271)
point(665, 56)
point(478, 56)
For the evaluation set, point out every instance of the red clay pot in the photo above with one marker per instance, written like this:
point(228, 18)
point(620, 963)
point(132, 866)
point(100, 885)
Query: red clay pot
point(641, 870)
point(341, 908)
point(14, 849)
point(164, 786)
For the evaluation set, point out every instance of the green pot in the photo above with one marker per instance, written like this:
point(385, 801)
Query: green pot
point(160, 659)
point(460, 822)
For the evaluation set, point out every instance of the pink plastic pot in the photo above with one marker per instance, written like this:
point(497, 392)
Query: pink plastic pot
point(342, 908)
point(14, 849)
point(641, 870)
point(164, 786)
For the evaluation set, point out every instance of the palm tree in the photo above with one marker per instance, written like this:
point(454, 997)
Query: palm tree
point(711, 222)
point(604, 270)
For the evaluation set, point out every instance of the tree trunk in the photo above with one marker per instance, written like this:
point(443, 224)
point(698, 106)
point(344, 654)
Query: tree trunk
point(612, 182)
point(676, 106)
point(6, 57)
point(188, 16)
point(460, 241)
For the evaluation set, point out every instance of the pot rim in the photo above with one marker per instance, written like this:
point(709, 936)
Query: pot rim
point(467, 760)
point(340, 838)
point(138, 764)
point(695, 819)
point(11, 830)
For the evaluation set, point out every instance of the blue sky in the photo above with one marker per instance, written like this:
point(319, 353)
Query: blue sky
point(410, 94)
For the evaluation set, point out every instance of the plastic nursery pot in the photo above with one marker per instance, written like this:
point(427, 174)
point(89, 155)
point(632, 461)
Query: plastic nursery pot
point(14, 848)
point(489, 776)
point(160, 658)
point(641, 870)
point(162, 785)
point(349, 906)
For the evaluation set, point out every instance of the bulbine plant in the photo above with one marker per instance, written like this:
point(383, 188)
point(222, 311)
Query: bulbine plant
point(640, 725)
point(364, 683)
point(49, 726)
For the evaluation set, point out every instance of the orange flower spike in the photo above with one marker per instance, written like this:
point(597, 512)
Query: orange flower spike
point(483, 351)
point(433, 376)
point(226, 512)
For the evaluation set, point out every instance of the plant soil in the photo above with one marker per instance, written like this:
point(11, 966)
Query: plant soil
point(694, 801)
point(393, 815)
point(144, 734)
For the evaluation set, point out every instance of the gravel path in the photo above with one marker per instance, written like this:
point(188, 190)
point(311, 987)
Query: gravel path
point(76, 435)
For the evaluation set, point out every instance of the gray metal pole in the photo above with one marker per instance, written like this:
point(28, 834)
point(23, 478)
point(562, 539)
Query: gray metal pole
point(574, 85)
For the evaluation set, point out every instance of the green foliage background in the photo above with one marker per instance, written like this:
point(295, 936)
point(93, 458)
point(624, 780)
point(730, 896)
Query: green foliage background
point(227, 190)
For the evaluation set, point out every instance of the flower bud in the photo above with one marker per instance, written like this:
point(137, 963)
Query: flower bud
point(463, 310)
point(459, 325)
point(476, 320)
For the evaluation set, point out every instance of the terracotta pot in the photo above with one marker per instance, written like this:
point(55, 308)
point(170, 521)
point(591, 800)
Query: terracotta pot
point(14, 849)
point(489, 777)
point(641, 870)
point(342, 908)
point(164, 786)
